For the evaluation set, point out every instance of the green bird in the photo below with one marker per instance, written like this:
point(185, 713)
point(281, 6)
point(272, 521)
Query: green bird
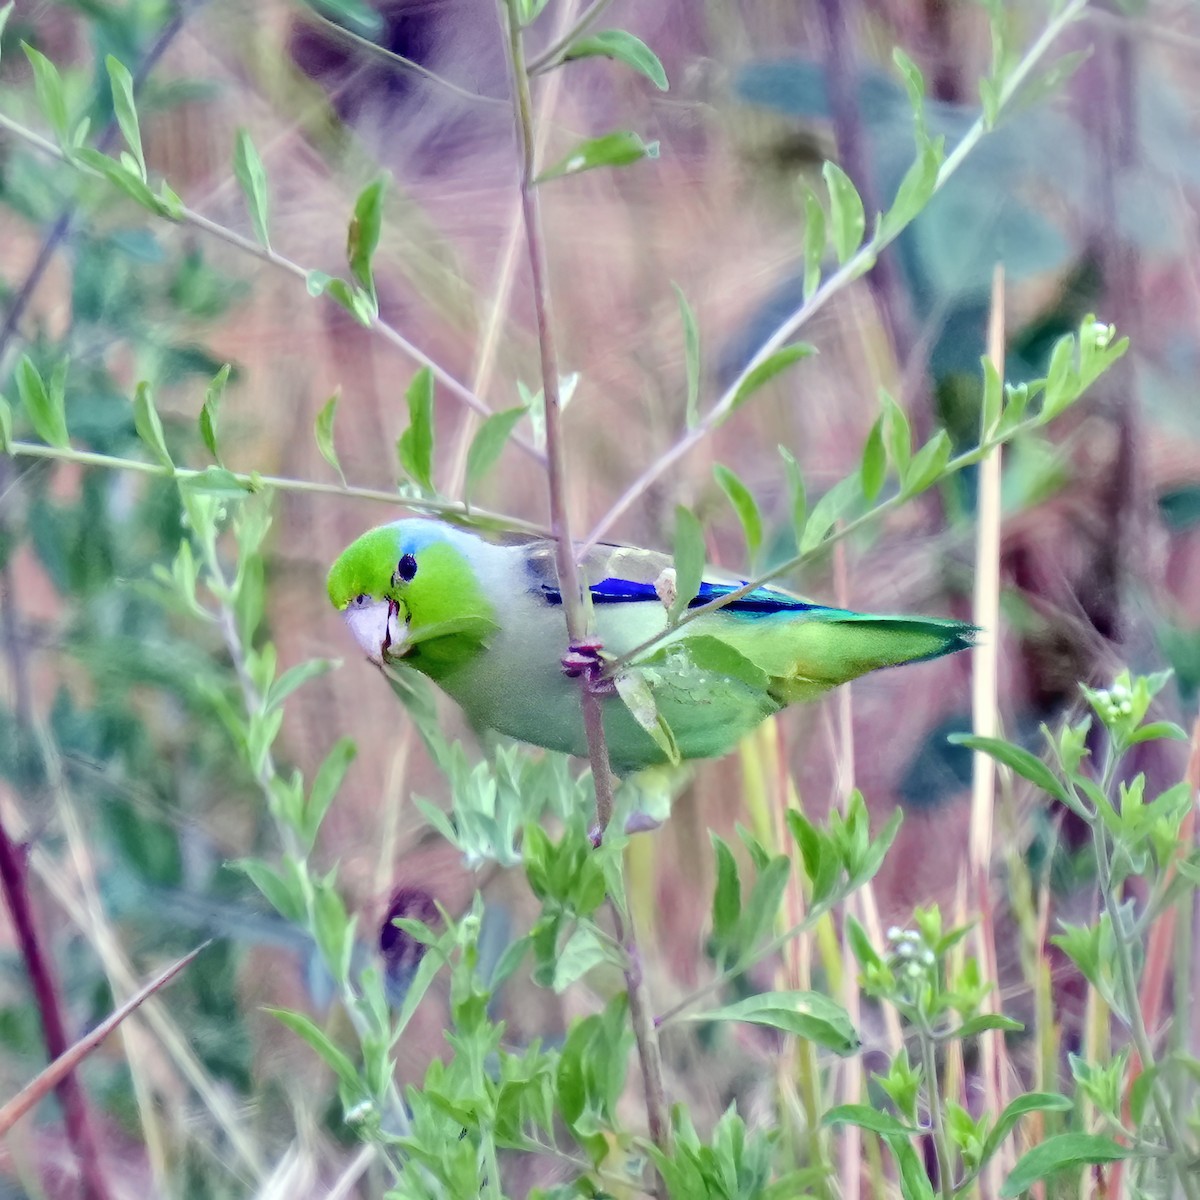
point(484, 620)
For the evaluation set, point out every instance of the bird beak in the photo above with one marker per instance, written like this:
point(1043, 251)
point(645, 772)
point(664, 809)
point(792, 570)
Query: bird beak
point(379, 629)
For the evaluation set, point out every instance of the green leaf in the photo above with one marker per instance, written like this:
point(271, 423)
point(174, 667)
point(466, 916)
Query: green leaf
point(617, 149)
point(296, 677)
point(860, 944)
point(808, 1015)
point(415, 447)
point(898, 435)
point(50, 93)
point(744, 505)
point(283, 894)
point(689, 557)
point(5, 13)
point(44, 406)
point(1030, 1102)
point(796, 491)
point(865, 1117)
point(252, 179)
point(623, 47)
point(149, 427)
point(210, 411)
point(125, 108)
point(765, 371)
point(691, 357)
point(847, 221)
point(583, 951)
point(1016, 759)
point(928, 464)
point(636, 695)
point(814, 242)
point(1156, 730)
point(985, 1022)
point(323, 432)
point(362, 238)
point(217, 481)
point(917, 186)
point(6, 416)
point(992, 408)
point(874, 461)
point(829, 509)
point(487, 445)
point(727, 896)
point(334, 1058)
point(1057, 1154)
point(129, 182)
point(326, 782)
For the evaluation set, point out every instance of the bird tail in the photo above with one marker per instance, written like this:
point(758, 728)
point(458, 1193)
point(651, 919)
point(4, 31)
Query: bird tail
point(836, 646)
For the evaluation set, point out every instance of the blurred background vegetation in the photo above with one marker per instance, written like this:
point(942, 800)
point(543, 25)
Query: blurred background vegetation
point(117, 773)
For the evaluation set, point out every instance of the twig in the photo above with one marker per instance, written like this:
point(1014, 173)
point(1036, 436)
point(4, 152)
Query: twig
point(15, 882)
point(552, 55)
point(388, 333)
point(253, 482)
point(37, 1088)
point(852, 269)
point(640, 1009)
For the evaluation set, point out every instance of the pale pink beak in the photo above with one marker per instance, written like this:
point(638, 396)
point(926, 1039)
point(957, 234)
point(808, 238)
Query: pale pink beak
point(378, 629)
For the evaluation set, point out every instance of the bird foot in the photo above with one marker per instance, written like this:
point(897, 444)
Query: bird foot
point(583, 661)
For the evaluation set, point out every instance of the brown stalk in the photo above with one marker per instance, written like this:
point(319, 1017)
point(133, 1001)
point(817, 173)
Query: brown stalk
point(60, 1069)
point(574, 607)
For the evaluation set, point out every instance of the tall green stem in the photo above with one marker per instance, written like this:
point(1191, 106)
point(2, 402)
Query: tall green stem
point(937, 1123)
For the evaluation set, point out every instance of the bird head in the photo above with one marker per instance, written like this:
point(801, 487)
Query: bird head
point(401, 587)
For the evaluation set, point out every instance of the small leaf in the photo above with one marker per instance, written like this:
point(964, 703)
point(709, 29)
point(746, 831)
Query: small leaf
point(928, 464)
point(765, 371)
point(992, 408)
point(689, 560)
point(814, 242)
point(985, 1022)
point(50, 93)
point(617, 149)
point(830, 508)
point(129, 182)
point(808, 1015)
point(125, 108)
point(487, 445)
point(1030, 1102)
point(323, 432)
point(691, 357)
point(296, 677)
point(252, 178)
point(149, 427)
point(917, 186)
point(1057, 1154)
point(210, 411)
point(797, 492)
point(623, 47)
point(326, 782)
point(744, 505)
point(846, 219)
point(583, 951)
point(637, 697)
point(5, 13)
point(1015, 758)
point(337, 1060)
point(865, 1117)
point(216, 481)
point(6, 417)
point(874, 461)
point(44, 407)
point(362, 238)
point(899, 435)
point(415, 447)
point(727, 896)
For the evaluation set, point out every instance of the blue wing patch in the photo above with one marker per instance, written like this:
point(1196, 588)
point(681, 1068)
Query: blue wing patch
point(760, 602)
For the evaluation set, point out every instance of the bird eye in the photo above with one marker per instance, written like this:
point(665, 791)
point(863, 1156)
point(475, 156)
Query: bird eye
point(360, 599)
point(406, 568)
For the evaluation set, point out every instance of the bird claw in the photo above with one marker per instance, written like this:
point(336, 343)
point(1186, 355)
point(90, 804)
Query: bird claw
point(583, 661)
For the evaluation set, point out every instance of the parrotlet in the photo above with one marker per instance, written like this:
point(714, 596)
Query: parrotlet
point(483, 619)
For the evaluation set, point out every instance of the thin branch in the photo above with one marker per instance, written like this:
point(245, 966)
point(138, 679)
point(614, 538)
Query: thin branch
point(571, 589)
point(37, 1088)
point(14, 880)
point(854, 267)
point(377, 325)
point(253, 482)
point(552, 55)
